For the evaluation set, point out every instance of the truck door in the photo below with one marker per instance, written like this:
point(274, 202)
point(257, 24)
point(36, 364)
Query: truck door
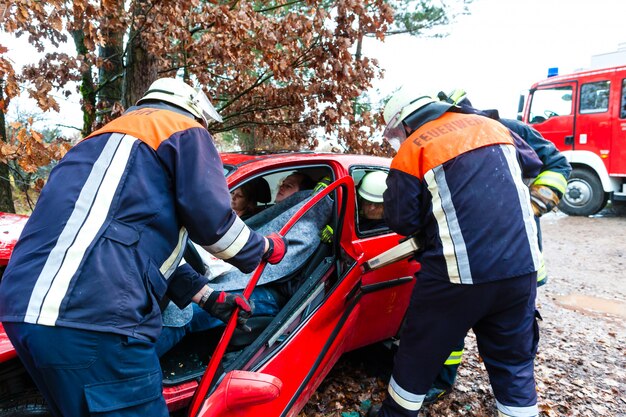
point(551, 112)
point(594, 122)
point(617, 160)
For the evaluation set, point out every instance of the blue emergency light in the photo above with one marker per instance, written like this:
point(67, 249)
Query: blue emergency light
point(552, 72)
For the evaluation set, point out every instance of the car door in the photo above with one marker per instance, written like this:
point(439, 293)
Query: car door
point(593, 124)
point(308, 336)
point(384, 293)
point(617, 164)
point(551, 112)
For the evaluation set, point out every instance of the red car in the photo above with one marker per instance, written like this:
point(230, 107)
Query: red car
point(342, 302)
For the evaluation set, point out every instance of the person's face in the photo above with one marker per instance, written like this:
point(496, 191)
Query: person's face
point(287, 187)
point(237, 201)
point(372, 211)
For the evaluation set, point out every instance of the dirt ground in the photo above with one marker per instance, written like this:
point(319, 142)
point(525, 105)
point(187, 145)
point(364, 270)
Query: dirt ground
point(581, 363)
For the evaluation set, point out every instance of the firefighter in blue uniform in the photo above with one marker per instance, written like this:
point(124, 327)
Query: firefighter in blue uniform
point(457, 180)
point(546, 191)
point(80, 296)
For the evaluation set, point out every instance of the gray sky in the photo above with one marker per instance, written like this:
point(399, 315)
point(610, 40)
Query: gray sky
point(503, 47)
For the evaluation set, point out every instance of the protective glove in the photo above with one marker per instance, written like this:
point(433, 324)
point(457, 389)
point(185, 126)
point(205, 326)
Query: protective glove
point(543, 199)
point(277, 248)
point(221, 304)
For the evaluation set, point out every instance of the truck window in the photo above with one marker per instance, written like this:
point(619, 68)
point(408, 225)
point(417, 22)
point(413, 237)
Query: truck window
point(594, 97)
point(622, 113)
point(550, 102)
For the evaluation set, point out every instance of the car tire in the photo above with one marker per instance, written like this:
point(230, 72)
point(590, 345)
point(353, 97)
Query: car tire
point(584, 195)
point(27, 405)
point(18, 395)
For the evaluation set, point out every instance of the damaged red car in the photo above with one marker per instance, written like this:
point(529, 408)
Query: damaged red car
point(352, 291)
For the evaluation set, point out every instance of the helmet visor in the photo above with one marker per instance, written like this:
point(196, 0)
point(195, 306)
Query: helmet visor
point(395, 133)
point(204, 106)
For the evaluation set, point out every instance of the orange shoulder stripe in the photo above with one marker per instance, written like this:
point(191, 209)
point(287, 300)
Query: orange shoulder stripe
point(151, 126)
point(445, 138)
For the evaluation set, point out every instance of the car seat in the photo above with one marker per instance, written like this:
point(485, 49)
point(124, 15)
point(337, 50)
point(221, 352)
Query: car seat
point(262, 193)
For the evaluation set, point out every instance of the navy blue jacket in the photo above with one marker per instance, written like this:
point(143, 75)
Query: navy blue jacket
point(105, 239)
point(458, 181)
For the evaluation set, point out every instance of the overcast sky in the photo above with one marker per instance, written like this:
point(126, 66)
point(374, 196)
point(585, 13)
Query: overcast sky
point(494, 53)
point(502, 47)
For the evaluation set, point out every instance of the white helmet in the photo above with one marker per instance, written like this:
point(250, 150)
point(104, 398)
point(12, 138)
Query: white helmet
point(401, 105)
point(372, 186)
point(175, 91)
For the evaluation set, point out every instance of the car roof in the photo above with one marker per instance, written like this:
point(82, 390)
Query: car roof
point(239, 159)
point(239, 166)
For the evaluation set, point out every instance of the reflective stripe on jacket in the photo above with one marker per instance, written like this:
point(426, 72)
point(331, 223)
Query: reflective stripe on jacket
point(458, 181)
point(110, 228)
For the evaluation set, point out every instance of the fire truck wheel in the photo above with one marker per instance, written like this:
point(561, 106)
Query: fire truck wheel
point(584, 195)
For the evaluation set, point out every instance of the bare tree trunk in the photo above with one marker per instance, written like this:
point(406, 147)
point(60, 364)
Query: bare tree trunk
point(6, 195)
point(141, 64)
point(141, 71)
point(87, 89)
point(110, 74)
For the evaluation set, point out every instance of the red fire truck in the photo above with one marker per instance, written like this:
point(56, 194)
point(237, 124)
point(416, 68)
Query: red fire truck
point(584, 115)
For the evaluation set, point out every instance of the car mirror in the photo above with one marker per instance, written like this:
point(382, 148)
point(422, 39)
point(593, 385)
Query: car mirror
point(240, 389)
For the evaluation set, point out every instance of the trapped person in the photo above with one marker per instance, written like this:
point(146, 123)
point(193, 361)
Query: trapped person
point(293, 183)
point(268, 295)
point(457, 180)
point(545, 190)
point(102, 249)
point(243, 201)
point(370, 195)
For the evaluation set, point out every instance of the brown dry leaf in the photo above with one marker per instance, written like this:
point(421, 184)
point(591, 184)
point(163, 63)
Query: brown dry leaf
point(36, 136)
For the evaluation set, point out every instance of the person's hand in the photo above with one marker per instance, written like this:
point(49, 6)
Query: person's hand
point(543, 199)
point(221, 304)
point(276, 250)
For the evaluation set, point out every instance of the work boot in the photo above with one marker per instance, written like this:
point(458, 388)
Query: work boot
point(373, 410)
point(434, 394)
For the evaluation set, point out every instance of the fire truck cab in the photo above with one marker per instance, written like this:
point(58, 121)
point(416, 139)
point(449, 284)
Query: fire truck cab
point(584, 115)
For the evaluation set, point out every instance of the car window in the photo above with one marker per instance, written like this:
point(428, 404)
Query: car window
point(303, 278)
point(550, 102)
point(306, 178)
point(594, 97)
point(369, 219)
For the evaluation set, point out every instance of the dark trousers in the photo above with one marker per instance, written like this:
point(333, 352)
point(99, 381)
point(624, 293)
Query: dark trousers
point(502, 315)
point(446, 377)
point(85, 373)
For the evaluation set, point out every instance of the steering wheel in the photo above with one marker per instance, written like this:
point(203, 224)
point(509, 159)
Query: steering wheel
point(550, 113)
